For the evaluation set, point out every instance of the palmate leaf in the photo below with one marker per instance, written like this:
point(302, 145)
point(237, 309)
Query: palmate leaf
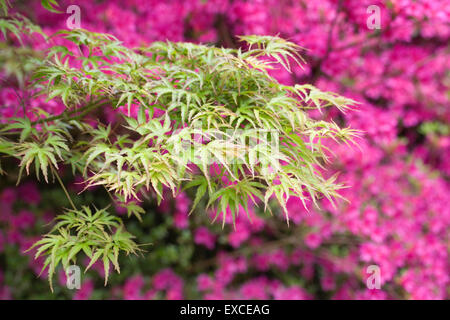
point(134, 209)
point(44, 153)
point(97, 234)
point(23, 125)
point(274, 47)
point(233, 196)
point(42, 156)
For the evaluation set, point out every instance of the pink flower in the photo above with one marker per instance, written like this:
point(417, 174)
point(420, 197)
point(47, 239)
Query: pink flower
point(85, 292)
point(29, 193)
point(204, 237)
point(8, 196)
point(238, 236)
point(292, 293)
point(132, 288)
point(204, 282)
point(313, 240)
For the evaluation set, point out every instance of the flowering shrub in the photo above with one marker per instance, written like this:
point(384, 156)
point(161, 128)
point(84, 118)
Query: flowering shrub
point(396, 216)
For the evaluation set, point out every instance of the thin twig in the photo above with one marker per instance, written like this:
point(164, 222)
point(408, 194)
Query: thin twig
point(62, 186)
point(84, 110)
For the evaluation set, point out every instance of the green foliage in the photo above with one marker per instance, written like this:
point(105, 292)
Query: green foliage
point(4, 6)
point(435, 127)
point(42, 147)
point(19, 26)
point(51, 5)
point(6, 149)
point(209, 119)
point(99, 235)
point(225, 96)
